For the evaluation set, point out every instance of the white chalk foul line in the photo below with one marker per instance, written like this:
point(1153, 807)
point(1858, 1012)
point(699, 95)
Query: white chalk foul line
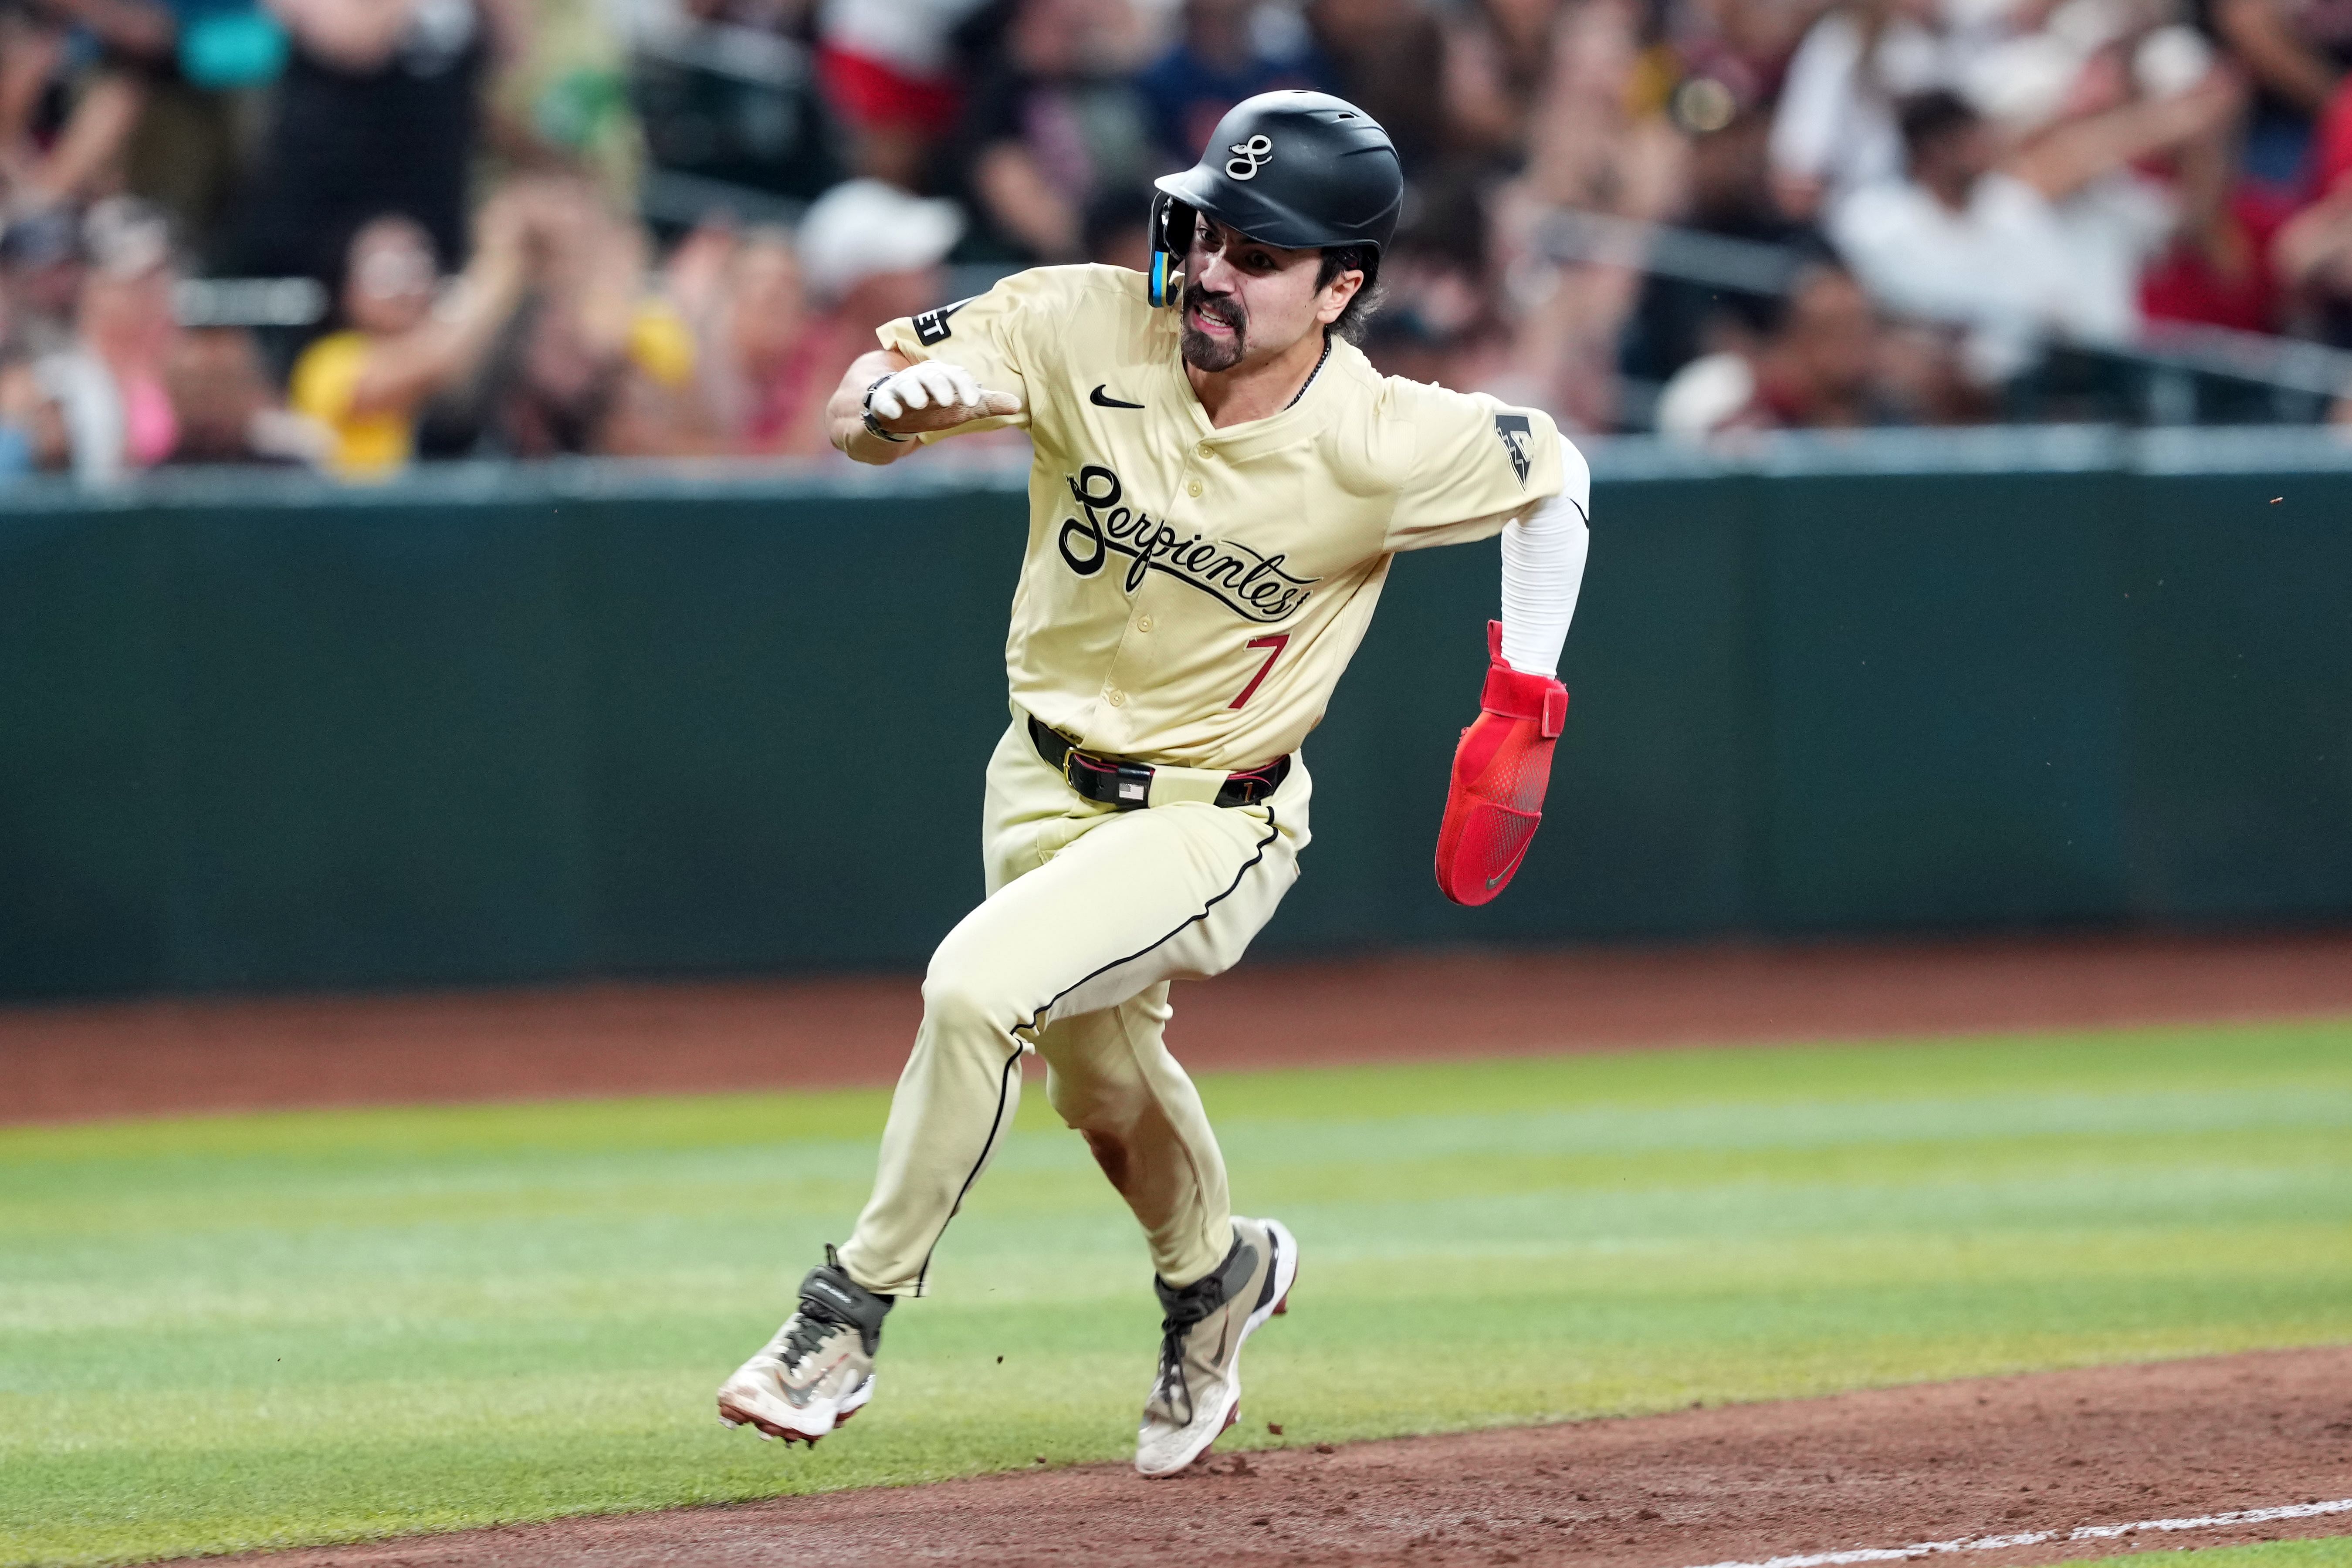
point(2039, 1537)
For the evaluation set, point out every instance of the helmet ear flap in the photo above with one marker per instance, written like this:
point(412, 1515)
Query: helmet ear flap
point(1172, 240)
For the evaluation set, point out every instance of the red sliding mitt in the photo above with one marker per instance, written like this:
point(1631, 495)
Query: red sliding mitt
point(1501, 771)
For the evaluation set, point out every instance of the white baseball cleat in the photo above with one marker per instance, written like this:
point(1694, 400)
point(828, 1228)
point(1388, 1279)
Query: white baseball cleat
point(819, 1369)
point(1198, 1391)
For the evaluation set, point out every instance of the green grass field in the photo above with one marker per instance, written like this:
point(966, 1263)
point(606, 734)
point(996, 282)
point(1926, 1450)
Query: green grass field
point(266, 1330)
point(2336, 1552)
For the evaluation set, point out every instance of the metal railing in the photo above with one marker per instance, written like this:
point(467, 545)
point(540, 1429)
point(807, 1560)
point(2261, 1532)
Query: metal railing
point(2270, 451)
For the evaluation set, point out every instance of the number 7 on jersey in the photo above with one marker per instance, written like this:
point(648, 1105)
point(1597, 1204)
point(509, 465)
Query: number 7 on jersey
point(1276, 641)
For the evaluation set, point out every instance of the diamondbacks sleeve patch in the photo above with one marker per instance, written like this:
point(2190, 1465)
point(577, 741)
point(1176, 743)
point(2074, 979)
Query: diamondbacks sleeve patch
point(1512, 428)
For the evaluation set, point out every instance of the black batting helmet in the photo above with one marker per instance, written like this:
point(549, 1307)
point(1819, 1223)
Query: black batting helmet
point(1303, 170)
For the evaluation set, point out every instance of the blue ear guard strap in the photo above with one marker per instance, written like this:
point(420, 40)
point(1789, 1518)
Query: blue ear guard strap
point(1169, 218)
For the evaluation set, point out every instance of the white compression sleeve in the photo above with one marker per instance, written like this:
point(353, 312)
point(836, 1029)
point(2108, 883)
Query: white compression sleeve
point(1543, 568)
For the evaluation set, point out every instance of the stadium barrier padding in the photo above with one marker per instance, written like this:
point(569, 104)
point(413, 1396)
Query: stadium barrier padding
point(501, 725)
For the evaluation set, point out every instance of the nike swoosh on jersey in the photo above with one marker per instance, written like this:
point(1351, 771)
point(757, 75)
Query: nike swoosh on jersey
point(1100, 400)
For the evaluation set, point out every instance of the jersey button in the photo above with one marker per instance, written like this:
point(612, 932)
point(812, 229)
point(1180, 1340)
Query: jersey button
point(1117, 698)
point(1143, 623)
point(1192, 488)
point(1202, 450)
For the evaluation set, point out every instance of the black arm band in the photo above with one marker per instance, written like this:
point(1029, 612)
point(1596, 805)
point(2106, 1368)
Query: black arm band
point(875, 425)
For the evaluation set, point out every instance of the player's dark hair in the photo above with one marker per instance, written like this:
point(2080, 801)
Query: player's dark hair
point(1363, 258)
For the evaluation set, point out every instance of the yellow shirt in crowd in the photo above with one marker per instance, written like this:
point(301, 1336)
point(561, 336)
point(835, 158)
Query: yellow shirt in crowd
point(367, 446)
point(377, 446)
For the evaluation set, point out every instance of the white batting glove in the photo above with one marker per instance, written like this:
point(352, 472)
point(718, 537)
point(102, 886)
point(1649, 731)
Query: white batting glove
point(945, 389)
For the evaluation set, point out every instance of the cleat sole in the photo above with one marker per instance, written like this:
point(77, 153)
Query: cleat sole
point(731, 1415)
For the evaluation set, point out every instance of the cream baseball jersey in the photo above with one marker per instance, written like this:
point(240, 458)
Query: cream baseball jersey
point(1190, 595)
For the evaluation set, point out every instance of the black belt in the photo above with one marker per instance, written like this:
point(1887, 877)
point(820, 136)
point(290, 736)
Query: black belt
point(1128, 785)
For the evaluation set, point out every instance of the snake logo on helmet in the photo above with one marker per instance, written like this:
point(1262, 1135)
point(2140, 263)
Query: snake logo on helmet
point(1302, 170)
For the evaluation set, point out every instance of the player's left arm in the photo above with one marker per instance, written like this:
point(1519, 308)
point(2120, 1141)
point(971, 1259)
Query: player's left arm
point(1482, 467)
point(1502, 766)
point(1543, 570)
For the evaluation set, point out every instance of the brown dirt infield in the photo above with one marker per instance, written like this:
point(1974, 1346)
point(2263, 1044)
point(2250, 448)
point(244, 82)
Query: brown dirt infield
point(1740, 1483)
point(156, 1058)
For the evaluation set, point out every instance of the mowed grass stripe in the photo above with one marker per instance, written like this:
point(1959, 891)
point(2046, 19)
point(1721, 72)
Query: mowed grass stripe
point(242, 1330)
point(2328, 1552)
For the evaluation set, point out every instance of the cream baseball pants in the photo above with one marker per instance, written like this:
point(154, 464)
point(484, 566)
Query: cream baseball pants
point(1090, 913)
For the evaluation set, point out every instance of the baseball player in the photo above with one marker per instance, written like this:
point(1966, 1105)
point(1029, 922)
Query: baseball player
point(1221, 479)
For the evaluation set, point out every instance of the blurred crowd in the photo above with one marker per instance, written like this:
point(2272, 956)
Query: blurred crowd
point(664, 227)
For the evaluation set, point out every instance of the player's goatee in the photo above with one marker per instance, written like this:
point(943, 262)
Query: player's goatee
point(1201, 351)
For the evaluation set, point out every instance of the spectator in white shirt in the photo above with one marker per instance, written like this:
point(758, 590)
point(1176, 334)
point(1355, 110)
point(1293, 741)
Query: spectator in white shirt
point(2046, 241)
point(1835, 130)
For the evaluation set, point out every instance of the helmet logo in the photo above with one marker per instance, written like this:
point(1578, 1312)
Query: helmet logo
point(1248, 157)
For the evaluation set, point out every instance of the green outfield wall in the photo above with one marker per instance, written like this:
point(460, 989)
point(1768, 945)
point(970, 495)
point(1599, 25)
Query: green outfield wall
point(509, 724)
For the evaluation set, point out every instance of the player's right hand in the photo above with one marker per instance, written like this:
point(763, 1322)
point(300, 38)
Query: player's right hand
point(935, 396)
